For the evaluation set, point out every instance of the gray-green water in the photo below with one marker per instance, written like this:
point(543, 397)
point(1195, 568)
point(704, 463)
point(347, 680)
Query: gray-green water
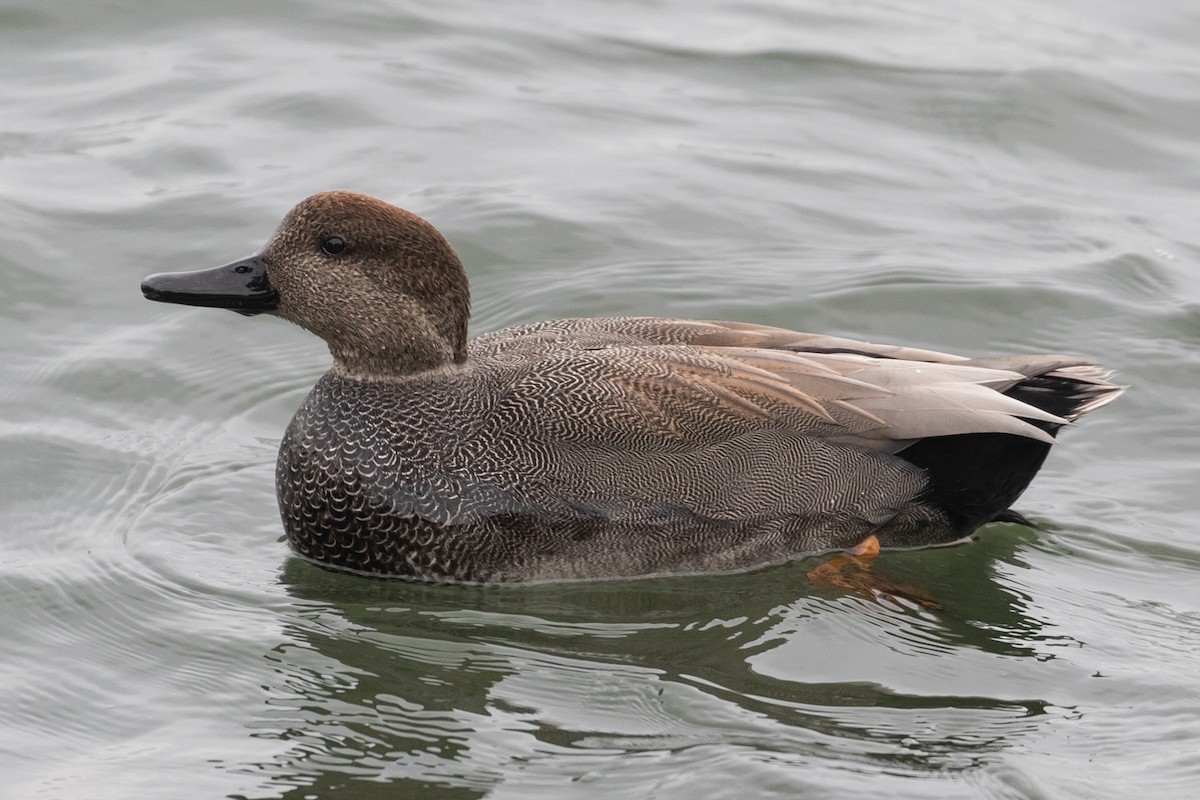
point(981, 178)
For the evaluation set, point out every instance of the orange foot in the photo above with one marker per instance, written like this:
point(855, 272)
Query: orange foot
point(853, 572)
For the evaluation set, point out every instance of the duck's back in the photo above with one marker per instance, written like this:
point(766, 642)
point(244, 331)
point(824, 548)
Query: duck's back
point(591, 448)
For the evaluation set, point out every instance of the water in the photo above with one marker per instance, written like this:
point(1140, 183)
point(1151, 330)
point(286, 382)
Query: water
point(1012, 178)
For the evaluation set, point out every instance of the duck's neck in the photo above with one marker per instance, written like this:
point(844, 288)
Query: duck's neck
point(394, 346)
point(383, 365)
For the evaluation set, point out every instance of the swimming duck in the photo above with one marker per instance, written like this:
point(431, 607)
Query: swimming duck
point(612, 447)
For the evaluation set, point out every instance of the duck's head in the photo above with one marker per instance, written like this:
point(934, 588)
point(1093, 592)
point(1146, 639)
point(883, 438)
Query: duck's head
point(380, 285)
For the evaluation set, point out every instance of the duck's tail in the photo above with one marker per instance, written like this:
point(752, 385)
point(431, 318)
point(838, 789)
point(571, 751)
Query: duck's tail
point(1063, 386)
point(975, 478)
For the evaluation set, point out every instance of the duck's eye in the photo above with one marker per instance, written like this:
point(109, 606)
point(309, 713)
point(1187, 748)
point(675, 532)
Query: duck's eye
point(333, 245)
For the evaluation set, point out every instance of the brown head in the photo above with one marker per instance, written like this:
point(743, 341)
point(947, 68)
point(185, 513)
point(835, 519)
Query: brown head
point(380, 285)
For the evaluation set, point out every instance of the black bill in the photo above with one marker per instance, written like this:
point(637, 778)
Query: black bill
point(241, 286)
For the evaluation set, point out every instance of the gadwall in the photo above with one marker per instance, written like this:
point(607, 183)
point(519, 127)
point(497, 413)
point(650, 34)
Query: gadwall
point(612, 447)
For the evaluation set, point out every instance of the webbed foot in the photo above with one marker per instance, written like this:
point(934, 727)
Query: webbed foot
point(853, 573)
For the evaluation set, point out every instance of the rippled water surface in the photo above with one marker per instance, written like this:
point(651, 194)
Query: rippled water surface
point(980, 178)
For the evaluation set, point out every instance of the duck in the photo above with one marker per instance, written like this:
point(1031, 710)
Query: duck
point(613, 447)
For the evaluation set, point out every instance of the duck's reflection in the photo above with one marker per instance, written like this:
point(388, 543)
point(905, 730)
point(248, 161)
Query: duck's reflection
point(460, 689)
